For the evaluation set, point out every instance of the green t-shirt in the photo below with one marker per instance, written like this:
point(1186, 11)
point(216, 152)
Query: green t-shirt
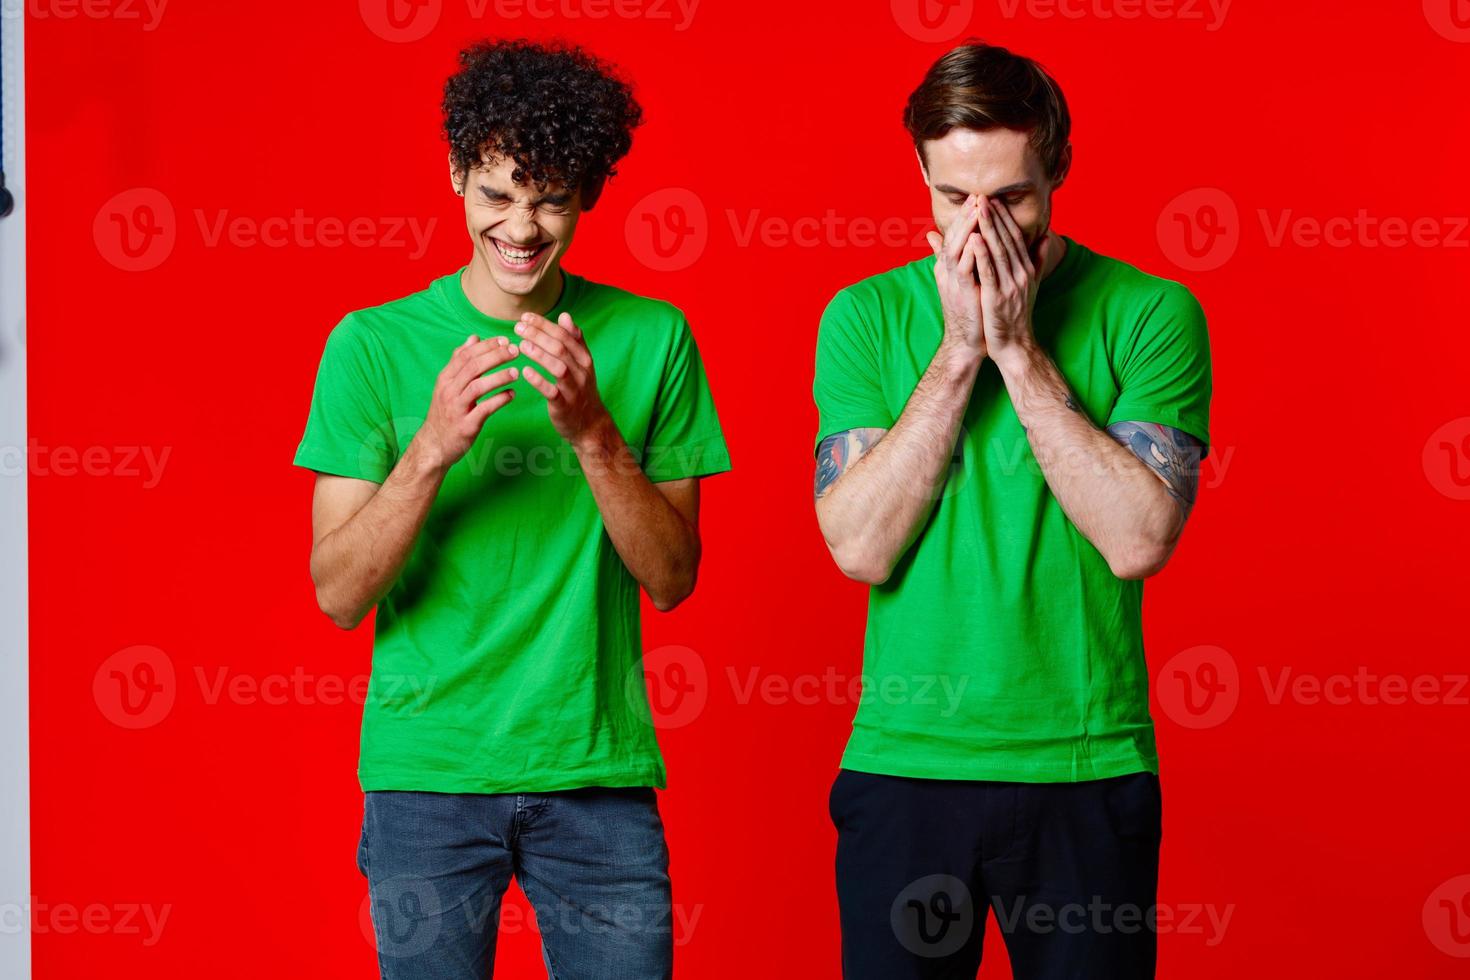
point(1002, 647)
point(507, 657)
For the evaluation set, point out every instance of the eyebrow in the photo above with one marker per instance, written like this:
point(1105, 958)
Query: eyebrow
point(558, 198)
point(1017, 187)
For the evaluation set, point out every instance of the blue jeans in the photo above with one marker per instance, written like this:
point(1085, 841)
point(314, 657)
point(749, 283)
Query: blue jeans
point(592, 861)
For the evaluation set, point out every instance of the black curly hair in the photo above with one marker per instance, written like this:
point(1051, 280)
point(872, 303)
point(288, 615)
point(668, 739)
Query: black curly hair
point(558, 112)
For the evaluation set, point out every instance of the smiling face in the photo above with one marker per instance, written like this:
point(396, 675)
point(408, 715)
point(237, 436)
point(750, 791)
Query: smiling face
point(520, 232)
point(997, 163)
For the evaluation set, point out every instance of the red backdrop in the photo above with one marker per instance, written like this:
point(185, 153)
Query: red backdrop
point(214, 185)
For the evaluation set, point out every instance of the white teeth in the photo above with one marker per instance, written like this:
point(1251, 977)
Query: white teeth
point(515, 254)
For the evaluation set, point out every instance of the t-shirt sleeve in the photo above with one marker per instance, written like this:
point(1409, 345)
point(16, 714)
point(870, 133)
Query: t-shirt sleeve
point(347, 428)
point(1164, 371)
point(847, 386)
point(684, 437)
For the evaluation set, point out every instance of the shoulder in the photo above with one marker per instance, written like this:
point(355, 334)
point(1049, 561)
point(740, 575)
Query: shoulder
point(892, 294)
point(375, 328)
point(603, 297)
point(914, 278)
point(1147, 293)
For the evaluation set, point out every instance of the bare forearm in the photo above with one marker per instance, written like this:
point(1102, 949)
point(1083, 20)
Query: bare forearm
point(872, 513)
point(658, 545)
point(1112, 499)
point(355, 565)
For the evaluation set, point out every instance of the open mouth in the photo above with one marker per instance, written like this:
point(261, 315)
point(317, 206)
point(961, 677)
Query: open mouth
point(519, 258)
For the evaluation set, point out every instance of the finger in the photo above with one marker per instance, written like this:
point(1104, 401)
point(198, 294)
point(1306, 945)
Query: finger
point(481, 361)
point(984, 265)
point(554, 365)
point(566, 323)
point(464, 355)
point(555, 331)
point(1020, 256)
point(998, 257)
point(1003, 230)
point(534, 378)
point(969, 258)
point(491, 405)
point(489, 382)
point(555, 338)
point(959, 229)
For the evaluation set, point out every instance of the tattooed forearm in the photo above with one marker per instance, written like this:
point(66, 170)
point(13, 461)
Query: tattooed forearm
point(1174, 456)
point(839, 451)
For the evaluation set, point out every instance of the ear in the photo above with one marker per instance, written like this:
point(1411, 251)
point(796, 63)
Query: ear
point(456, 177)
point(1064, 166)
point(591, 191)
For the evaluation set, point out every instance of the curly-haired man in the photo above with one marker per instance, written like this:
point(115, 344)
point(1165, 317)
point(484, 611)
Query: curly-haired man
point(502, 460)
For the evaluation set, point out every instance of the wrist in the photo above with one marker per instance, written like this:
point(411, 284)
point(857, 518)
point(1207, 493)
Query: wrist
point(598, 438)
point(957, 360)
point(1017, 358)
point(425, 460)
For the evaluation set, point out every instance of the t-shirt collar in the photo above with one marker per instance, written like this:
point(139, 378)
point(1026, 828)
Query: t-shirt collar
point(452, 289)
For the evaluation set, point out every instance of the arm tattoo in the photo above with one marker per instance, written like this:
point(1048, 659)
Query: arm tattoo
point(839, 451)
point(1172, 455)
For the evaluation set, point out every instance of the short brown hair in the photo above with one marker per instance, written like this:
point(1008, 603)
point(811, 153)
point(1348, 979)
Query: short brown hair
point(982, 86)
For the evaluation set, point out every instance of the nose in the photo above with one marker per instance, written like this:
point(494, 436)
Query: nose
point(520, 228)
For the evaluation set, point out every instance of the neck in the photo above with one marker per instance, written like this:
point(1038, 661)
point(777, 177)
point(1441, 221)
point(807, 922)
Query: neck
point(1051, 250)
point(487, 297)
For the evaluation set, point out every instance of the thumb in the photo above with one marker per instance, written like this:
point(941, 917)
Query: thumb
point(934, 239)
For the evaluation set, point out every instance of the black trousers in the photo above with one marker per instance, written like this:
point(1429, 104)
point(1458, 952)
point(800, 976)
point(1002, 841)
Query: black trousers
point(1070, 871)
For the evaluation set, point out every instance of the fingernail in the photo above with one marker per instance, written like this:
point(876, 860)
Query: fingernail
point(520, 328)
